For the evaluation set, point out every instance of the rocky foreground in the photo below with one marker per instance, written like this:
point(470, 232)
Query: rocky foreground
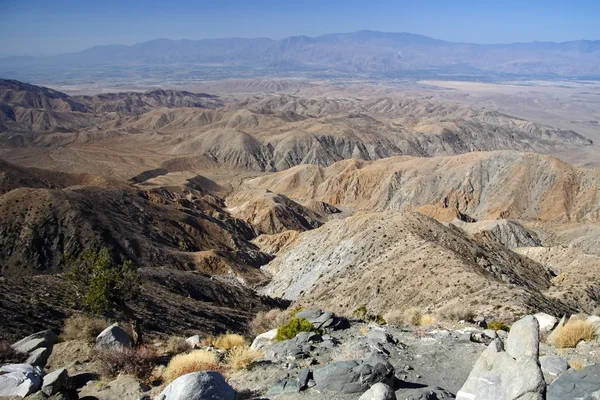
point(339, 358)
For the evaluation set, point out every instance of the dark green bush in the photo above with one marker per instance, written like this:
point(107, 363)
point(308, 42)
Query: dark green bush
point(290, 329)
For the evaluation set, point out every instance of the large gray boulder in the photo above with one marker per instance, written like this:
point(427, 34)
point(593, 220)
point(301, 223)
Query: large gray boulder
point(576, 385)
point(55, 382)
point(379, 391)
point(113, 337)
point(198, 386)
point(30, 343)
point(511, 374)
point(39, 357)
point(20, 380)
point(353, 376)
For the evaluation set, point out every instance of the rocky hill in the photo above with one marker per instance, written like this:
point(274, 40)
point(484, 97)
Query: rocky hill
point(388, 261)
point(484, 185)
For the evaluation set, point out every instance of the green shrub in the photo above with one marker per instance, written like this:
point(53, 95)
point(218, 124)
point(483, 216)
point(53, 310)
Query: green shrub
point(362, 314)
point(290, 329)
point(498, 326)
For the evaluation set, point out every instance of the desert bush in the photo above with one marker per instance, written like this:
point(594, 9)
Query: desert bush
point(577, 364)
point(412, 316)
point(498, 326)
point(363, 314)
point(360, 313)
point(177, 345)
point(242, 357)
point(291, 328)
point(8, 355)
point(226, 341)
point(395, 317)
point(195, 361)
point(138, 362)
point(427, 319)
point(465, 314)
point(350, 351)
point(265, 321)
point(571, 333)
point(83, 327)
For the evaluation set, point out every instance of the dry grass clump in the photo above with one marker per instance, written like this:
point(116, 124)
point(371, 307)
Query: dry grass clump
point(195, 361)
point(466, 315)
point(266, 321)
point(177, 345)
point(138, 362)
point(242, 357)
point(395, 317)
point(412, 316)
point(571, 333)
point(427, 319)
point(577, 364)
point(226, 341)
point(83, 327)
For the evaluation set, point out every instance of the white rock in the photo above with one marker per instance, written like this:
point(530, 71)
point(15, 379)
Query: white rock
point(264, 339)
point(595, 320)
point(198, 386)
point(193, 341)
point(54, 382)
point(19, 380)
point(379, 391)
point(113, 337)
point(547, 322)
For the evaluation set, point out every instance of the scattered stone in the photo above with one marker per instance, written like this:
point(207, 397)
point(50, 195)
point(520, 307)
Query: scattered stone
point(39, 357)
point(30, 343)
point(482, 323)
point(486, 337)
point(547, 322)
point(511, 374)
point(323, 320)
point(426, 393)
point(297, 348)
point(304, 375)
point(193, 341)
point(198, 386)
point(576, 384)
point(264, 339)
point(20, 379)
point(552, 367)
point(353, 376)
point(379, 391)
point(55, 382)
point(113, 337)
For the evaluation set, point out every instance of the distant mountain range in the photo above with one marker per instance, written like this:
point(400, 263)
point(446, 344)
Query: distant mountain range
point(362, 52)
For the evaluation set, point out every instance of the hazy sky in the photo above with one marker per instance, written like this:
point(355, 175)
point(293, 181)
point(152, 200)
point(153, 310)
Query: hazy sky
point(43, 27)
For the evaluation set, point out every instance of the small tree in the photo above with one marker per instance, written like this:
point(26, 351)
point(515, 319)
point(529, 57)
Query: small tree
point(108, 285)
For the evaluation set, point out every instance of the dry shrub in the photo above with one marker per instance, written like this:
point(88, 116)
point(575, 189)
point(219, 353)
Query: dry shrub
point(395, 317)
point(426, 320)
point(242, 357)
point(138, 362)
point(228, 341)
point(576, 364)
point(466, 315)
point(572, 333)
point(195, 361)
point(412, 316)
point(266, 321)
point(83, 327)
point(364, 330)
point(177, 345)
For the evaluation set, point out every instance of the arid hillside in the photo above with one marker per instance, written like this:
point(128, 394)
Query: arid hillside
point(483, 185)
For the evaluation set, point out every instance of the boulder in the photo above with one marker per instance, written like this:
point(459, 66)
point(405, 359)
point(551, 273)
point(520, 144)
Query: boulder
point(486, 337)
point(323, 320)
point(285, 386)
point(546, 321)
point(193, 341)
point(198, 386)
point(30, 343)
point(293, 349)
point(113, 337)
point(55, 382)
point(39, 357)
point(511, 374)
point(264, 339)
point(524, 339)
point(20, 380)
point(552, 367)
point(576, 384)
point(304, 375)
point(353, 376)
point(379, 391)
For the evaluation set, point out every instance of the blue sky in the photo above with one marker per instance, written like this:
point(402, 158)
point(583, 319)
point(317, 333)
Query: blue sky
point(36, 27)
